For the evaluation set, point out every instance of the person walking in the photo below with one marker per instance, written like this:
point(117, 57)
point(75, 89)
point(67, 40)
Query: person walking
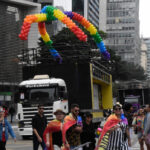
point(88, 133)
point(146, 134)
point(5, 130)
point(52, 134)
point(115, 133)
point(39, 123)
point(72, 129)
point(11, 112)
point(138, 124)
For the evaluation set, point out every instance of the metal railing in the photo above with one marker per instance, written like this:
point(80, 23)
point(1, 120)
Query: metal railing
point(82, 145)
point(100, 74)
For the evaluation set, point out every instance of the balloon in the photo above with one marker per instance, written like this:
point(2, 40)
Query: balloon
point(49, 13)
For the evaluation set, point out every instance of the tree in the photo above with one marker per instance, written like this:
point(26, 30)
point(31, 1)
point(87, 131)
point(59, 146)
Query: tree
point(73, 50)
point(125, 71)
point(69, 47)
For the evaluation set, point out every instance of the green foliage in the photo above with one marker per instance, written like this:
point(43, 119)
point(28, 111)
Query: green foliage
point(125, 71)
point(69, 47)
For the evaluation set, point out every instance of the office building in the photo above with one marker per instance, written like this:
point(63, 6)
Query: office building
point(147, 42)
point(123, 29)
point(13, 13)
point(143, 55)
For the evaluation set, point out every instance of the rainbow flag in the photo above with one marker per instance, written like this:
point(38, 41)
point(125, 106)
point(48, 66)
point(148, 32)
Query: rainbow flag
point(53, 126)
point(69, 121)
point(104, 138)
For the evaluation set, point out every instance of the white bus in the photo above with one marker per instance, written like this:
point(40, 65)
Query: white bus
point(51, 92)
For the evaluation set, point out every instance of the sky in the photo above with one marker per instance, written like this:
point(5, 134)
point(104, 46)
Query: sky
point(145, 18)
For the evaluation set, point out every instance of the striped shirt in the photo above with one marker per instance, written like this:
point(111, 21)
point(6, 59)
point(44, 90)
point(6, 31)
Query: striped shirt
point(117, 139)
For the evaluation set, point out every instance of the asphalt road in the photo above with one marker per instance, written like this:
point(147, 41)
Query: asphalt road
point(20, 144)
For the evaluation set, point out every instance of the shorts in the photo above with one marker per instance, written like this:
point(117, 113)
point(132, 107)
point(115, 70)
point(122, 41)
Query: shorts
point(139, 135)
point(147, 139)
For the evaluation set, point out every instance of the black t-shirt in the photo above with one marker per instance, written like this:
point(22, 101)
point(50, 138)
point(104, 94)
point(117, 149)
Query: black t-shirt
point(129, 117)
point(39, 123)
point(57, 138)
point(88, 135)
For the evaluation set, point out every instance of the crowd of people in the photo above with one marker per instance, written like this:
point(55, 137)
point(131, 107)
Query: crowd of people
point(68, 132)
point(65, 132)
point(117, 130)
point(141, 125)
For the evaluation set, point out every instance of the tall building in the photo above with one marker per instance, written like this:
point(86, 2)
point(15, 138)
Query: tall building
point(147, 42)
point(12, 14)
point(123, 29)
point(144, 55)
point(92, 10)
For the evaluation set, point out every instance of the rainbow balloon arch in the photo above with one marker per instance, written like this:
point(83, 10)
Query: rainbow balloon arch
point(50, 13)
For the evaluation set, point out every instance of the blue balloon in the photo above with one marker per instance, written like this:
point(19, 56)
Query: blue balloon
point(122, 116)
point(54, 53)
point(101, 46)
point(43, 10)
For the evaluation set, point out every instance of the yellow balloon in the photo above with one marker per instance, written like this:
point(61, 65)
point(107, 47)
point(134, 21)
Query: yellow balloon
point(41, 17)
point(45, 37)
point(58, 14)
point(92, 29)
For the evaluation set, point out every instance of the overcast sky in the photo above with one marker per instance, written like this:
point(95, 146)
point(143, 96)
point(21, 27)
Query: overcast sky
point(145, 18)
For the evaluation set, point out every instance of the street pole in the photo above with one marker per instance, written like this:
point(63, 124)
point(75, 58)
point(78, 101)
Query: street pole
point(143, 97)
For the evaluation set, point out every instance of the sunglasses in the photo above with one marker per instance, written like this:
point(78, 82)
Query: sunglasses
point(117, 108)
point(76, 110)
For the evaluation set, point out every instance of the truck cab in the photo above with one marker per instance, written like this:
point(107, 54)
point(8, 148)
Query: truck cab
point(50, 92)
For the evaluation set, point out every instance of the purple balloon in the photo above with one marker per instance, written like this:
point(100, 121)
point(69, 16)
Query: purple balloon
point(69, 14)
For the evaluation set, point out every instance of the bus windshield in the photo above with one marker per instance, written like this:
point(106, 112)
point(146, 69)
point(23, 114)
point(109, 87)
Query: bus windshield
point(37, 95)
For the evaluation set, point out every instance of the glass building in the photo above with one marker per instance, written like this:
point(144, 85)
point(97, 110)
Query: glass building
point(88, 8)
point(123, 29)
point(91, 11)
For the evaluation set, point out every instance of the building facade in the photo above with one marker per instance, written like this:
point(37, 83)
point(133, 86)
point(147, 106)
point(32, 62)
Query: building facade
point(12, 14)
point(144, 55)
point(91, 11)
point(94, 11)
point(123, 29)
point(147, 42)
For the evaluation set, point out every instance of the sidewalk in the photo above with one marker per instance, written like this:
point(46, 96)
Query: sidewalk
point(135, 143)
